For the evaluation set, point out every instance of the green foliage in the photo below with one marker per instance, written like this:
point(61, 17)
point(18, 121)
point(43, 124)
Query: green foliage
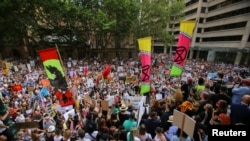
point(75, 21)
point(155, 16)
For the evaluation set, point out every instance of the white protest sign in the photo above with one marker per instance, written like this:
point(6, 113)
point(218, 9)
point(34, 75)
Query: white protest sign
point(32, 63)
point(137, 100)
point(29, 67)
point(141, 109)
point(74, 62)
point(71, 112)
point(158, 96)
point(64, 109)
point(69, 64)
point(90, 82)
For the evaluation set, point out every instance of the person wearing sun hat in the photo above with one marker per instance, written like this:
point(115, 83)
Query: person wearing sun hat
point(123, 115)
point(172, 129)
point(49, 136)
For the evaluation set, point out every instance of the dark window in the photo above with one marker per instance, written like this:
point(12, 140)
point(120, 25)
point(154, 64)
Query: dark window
point(222, 4)
point(229, 14)
point(191, 12)
point(203, 9)
point(227, 26)
point(177, 25)
point(191, 2)
point(176, 32)
point(248, 38)
point(201, 20)
point(197, 40)
point(158, 49)
point(199, 30)
point(224, 38)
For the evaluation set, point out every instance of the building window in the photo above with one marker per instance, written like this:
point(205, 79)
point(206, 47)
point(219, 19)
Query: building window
point(197, 40)
point(224, 38)
point(227, 26)
point(203, 9)
point(191, 12)
point(176, 32)
point(223, 4)
point(201, 20)
point(229, 14)
point(177, 25)
point(199, 30)
point(191, 2)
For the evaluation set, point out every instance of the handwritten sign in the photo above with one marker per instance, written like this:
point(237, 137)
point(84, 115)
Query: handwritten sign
point(136, 100)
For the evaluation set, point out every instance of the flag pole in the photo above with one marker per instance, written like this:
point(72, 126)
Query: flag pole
point(60, 58)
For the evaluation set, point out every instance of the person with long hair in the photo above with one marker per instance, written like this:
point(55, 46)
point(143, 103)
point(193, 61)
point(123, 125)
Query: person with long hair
point(133, 135)
point(159, 135)
point(143, 135)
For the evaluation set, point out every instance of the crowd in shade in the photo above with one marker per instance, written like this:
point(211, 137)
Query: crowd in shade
point(209, 93)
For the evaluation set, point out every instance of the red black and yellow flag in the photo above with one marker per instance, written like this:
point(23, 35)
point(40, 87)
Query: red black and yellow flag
point(55, 73)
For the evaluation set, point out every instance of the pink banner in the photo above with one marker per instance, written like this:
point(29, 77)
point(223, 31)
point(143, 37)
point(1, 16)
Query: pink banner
point(146, 62)
point(182, 50)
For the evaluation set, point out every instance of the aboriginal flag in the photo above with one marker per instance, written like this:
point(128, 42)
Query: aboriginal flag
point(54, 70)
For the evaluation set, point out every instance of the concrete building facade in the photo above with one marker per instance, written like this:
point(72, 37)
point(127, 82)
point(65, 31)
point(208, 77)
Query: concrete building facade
point(222, 30)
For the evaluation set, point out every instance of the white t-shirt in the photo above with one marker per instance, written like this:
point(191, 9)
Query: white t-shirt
point(2, 129)
point(135, 138)
point(57, 138)
point(93, 134)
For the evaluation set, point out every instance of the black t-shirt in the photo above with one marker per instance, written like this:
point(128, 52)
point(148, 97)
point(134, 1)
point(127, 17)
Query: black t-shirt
point(216, 97)
point(123, 117)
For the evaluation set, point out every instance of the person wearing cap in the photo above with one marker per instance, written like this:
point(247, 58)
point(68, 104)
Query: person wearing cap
point(238, 92)
point(123, 114)
point(172, 130)
point(49, 135)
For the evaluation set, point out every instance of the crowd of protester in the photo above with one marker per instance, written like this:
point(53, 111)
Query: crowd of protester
point(222, 99)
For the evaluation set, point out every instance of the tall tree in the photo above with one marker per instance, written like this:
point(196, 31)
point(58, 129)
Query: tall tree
point(155, 17)
point(116, 18)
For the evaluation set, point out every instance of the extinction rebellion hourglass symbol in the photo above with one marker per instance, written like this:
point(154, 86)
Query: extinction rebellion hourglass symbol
point(180, 56)
point(145, 72)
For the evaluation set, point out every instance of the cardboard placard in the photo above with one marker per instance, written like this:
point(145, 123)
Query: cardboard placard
point(30, 89)
point(26, 125)
point(105, 105)
point(184, 122)
point(189, 126)
point(88, 99)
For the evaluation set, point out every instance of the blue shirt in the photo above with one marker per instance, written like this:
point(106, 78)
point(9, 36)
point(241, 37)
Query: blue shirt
point(171, 131)
point(176, 138)
point(238, 93)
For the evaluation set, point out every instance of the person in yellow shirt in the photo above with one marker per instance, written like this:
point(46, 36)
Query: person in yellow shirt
point(199, 87)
